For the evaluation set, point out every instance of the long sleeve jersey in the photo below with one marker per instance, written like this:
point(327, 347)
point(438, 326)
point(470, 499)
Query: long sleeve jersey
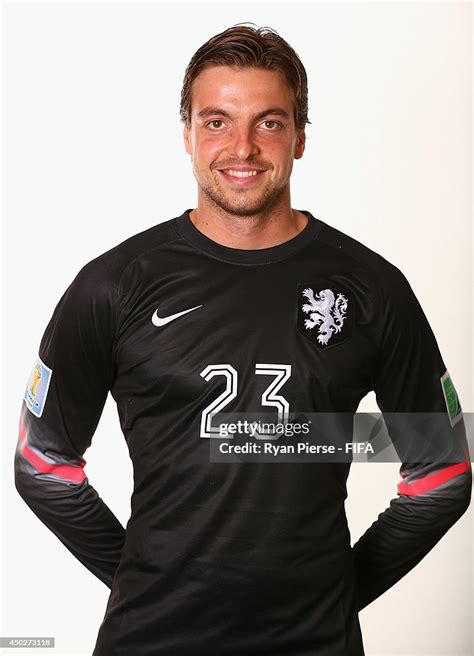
point(236, 558)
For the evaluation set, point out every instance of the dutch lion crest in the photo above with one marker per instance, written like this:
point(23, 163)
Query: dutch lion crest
point(327, 313)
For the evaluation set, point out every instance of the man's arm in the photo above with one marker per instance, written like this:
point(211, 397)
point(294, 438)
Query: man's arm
point(63, 401)
point(424, 420)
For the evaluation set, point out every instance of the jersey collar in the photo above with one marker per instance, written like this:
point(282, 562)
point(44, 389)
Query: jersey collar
point(199, 240)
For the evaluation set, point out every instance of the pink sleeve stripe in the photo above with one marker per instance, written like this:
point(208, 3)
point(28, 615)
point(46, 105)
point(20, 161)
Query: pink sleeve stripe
point(434, 480)
point(68, 472)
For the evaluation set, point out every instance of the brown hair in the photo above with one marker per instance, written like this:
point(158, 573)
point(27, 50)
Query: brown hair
point(242, 46)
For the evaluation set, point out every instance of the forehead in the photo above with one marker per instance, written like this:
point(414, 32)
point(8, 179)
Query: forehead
point(251, 89)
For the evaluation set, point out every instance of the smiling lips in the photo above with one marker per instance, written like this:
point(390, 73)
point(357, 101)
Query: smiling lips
point(241, 176)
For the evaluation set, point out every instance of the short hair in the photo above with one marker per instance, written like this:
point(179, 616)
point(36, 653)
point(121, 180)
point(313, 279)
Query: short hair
point(243, 46)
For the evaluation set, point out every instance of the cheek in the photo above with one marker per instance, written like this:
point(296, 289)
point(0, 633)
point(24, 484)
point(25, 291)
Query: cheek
point(281, 155)
point(208, 149)
point(279, 149)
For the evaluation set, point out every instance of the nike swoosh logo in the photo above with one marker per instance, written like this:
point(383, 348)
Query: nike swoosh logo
point(162, 321)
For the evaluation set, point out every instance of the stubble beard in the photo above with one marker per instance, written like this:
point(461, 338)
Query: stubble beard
point(239, 202)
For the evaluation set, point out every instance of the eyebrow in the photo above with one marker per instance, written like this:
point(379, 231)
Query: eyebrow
point(216, 111)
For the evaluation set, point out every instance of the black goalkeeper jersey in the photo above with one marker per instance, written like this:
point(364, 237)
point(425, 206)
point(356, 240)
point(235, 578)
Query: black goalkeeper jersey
point(244, 557)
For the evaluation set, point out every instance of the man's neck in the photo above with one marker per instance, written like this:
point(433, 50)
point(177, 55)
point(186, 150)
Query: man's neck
point(262, 230)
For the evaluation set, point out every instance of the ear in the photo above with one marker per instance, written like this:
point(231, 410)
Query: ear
point(300, 144)
point(187, 139)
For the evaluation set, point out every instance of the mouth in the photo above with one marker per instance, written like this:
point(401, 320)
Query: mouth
point(241, 178)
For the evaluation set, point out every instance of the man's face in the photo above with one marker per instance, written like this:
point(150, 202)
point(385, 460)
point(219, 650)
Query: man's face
point(242, 138)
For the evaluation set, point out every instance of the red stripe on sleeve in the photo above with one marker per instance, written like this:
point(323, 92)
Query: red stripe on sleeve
point(68, 472)
point(434, 480)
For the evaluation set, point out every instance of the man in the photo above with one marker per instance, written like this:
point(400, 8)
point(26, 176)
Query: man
point(240, 304)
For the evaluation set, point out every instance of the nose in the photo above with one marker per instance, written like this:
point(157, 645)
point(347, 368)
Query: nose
point(243, 143)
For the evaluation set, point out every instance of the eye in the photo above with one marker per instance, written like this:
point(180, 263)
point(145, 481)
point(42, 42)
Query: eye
point(274, 125)
point(213, 124)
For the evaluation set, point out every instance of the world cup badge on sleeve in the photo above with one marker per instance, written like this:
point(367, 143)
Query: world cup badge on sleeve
point(451, 398)
point(37, 387)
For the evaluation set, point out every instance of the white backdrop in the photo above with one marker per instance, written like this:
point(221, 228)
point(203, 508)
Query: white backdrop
point(93, 154)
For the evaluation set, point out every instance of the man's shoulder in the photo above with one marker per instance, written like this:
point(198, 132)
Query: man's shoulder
point(108, 267)
point(386, 272)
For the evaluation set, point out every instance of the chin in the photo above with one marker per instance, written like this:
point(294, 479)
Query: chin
point(243, 206)
point(244, 209)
